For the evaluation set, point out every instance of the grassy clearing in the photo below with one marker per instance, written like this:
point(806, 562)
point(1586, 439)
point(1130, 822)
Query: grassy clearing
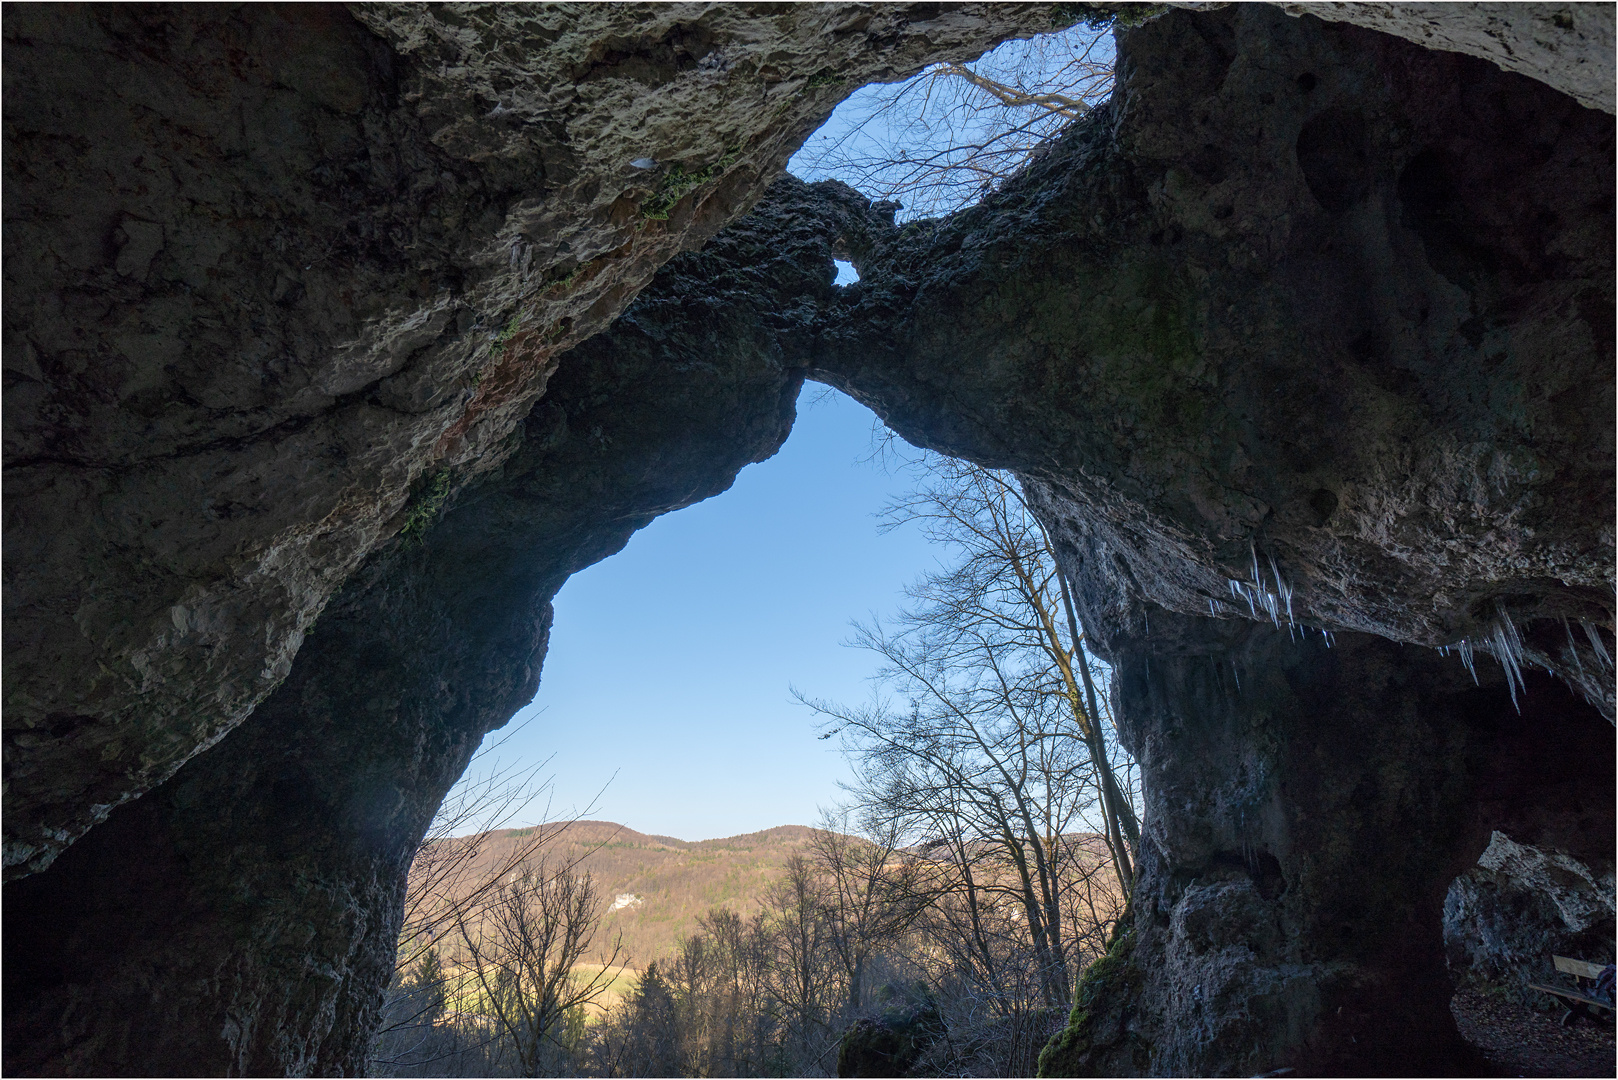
point(621, 985)
point(464, 994)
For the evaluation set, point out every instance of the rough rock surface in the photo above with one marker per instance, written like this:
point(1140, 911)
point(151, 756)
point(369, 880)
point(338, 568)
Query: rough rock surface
point(1310, 317)
point(1568, 46)
point(1318, 322)
point(891, 1042)
point(1307, 808)
point(242, 918)
point(276, 275)
point(1302, 293)
point(1506, 917)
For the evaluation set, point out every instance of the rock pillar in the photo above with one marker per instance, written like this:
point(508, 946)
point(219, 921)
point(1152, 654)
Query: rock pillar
point(1309, 801)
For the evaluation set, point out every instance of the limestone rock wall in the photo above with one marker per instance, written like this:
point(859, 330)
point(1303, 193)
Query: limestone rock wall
point(1310, 321)
point(1567, 46)
point(1308, 805)
point(280, 277)
point(1310, 325)
point(1521, 905)
point(242, 918)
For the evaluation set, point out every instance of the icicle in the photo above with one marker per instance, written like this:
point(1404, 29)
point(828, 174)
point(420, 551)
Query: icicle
point(1281, 587)
point(1464, 647)
point(1507, 648)
point(1572, 647)
point(1509, 628)
point(1502, 652)
point(1238, 676)
point(1593, 632)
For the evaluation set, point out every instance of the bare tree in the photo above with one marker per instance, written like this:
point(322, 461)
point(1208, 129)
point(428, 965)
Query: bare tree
point(1006, 604)
point(873, 892)
point(455, 869)
point(997, 757)
point(449, 874)
point(800, 965)
point(523, 949)
point(942, 139)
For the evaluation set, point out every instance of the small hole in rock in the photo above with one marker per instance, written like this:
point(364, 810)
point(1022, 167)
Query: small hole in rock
point(846, 274)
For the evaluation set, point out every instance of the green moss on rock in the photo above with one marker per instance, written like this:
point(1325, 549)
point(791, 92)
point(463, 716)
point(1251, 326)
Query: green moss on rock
point(1095, 1027)
point(677, 183)
point(424, 507)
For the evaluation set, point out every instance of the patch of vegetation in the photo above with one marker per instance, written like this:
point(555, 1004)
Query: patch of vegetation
point(508, 332)
point(824, 78)
point(431, 493)
point(1136, 15)
point(677, 183)
point(1065, 1054)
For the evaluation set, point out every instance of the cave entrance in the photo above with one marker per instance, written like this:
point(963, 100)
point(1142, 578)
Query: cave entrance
point(764, 579)
point(672, 661)
point(1542, 886)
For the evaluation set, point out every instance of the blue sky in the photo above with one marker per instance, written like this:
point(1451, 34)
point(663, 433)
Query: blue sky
point(879, 135)
point(672, 662)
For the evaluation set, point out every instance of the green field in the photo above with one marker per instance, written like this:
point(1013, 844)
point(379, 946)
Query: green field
point(464, 995)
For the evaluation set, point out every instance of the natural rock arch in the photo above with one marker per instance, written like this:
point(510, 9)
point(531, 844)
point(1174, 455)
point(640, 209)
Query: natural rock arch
point(1157, 327)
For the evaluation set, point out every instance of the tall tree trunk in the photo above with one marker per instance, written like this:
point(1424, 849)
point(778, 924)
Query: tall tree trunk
point(1120, 815)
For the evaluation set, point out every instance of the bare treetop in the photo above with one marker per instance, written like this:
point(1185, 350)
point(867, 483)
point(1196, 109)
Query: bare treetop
point(942, 140)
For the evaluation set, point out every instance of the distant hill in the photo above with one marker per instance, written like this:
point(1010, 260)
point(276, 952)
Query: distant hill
point(660, 885)
point(656, 887)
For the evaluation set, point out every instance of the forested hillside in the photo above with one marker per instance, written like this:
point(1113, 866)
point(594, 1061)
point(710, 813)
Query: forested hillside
point(659, 884)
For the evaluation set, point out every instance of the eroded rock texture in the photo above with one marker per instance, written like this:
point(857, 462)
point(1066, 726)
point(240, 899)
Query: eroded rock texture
point(1307, 297)
point(277, 274)
point(1313, 327)
point(1568, 46)
point(1506, 917)
point(1307, 808)
point(242, 919)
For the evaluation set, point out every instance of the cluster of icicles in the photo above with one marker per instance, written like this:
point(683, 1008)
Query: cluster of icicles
point(1505, 645)
point(1262, 602)
point(1260, 598)
point(1503, 642)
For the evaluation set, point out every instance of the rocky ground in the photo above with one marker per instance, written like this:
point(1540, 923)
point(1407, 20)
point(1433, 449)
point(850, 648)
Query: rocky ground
point(1519, 1041)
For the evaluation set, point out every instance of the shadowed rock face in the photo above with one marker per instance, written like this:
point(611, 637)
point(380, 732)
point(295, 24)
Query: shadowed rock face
point(276, 274)
point(1567, 46)
point(243, 918)
point(1305, 322)
point(1302, 293)
point(1505, 918)
point(1307, 808)
point(1306, 297)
